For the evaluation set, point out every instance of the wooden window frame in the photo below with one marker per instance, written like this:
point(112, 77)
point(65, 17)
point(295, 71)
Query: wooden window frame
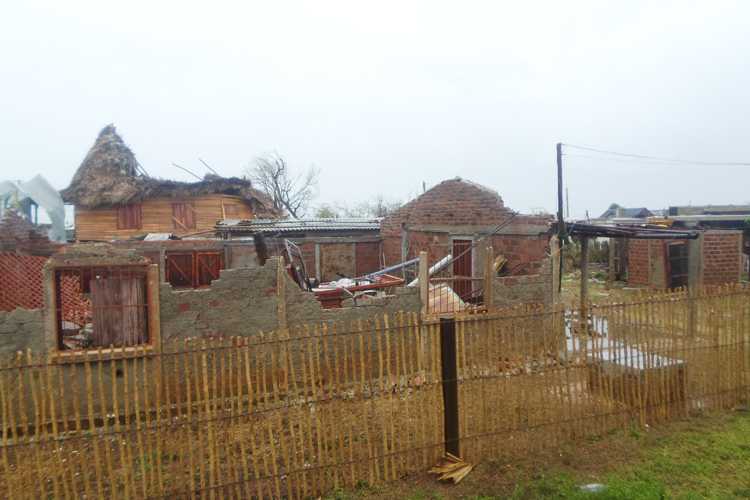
point(194, 273)
point(182, 223)
point(130, 216)
point(151, 346)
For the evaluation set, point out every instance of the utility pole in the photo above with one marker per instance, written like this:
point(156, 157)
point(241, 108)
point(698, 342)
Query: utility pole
point(561, 236)
point(567, 204)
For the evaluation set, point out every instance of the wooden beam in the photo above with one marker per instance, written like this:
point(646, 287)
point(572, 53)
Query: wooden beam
point(489, 277)
point(424, 281)
point(584, 283)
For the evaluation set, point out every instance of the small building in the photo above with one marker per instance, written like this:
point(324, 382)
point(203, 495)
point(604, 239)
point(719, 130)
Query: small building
point(115, 199)
point(461, 218)
point(718, 256)
point(456, 213)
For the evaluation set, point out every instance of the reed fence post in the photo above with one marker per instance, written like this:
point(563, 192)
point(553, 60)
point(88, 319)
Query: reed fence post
point(424, 282)
point(489, 273)
point(448, 361)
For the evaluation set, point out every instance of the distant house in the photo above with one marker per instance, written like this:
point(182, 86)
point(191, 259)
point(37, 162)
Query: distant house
point(114, 199)
point(616, 211)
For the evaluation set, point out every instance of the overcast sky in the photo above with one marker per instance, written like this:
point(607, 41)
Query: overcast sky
point(382, 96)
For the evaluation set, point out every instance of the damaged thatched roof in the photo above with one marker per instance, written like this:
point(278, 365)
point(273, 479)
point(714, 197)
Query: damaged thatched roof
point(110, 175)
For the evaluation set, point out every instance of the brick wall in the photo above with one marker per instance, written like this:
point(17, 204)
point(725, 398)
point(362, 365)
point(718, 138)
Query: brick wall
point(366, 257)
point(18, 235)
point(638, 264)
point(721, 257)
point(458, 207)
point(246, 301)
point(538, 288)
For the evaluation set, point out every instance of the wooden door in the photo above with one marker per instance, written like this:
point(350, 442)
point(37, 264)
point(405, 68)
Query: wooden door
point(462, 268)
point(677, 253)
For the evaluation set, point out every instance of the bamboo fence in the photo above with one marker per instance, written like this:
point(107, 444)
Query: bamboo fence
point(296, 413)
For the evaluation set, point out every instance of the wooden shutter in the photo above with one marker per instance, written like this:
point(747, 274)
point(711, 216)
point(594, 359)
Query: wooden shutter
point(118, 311)
point(183, 216)
point(208, 266)
point(179, 269)
point(129, 216)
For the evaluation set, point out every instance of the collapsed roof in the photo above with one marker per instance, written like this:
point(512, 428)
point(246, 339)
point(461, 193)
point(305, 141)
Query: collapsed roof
point(110, 175)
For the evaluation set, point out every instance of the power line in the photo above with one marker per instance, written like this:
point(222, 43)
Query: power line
point(622, 160)
point(656, 158)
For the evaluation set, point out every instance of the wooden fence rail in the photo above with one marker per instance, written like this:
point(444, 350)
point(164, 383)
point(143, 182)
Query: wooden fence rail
point(296, 413)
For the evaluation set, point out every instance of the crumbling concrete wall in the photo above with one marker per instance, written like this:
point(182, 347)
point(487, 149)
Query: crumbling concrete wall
point(21, 329)
point(243, 302)
point(539, 288)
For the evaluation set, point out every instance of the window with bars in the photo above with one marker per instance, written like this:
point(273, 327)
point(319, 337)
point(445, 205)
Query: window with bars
point(183, 216)
point(129, 216)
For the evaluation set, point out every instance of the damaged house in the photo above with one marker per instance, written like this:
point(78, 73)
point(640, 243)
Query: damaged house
point(115, 200)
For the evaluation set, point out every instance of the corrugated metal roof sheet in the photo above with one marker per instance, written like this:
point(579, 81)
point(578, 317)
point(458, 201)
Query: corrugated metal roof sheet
point(304, 225)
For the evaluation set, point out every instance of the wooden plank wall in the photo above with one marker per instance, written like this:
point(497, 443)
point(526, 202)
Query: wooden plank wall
point(101, 224)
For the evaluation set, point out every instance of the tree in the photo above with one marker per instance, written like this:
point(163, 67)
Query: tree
point(289, 192)
point(377, 206)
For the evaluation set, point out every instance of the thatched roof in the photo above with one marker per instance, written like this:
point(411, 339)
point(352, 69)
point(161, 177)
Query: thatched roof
point(110, 175)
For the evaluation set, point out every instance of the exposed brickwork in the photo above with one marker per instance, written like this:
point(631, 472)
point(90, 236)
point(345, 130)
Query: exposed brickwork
point(720, 260)
point(721, 257)
point(638, 262)
point(458, 207)
point(535, 288)
point(455, 201)
point(367, 257)
point(525, 254)
point(336, 260)
point(18, 235)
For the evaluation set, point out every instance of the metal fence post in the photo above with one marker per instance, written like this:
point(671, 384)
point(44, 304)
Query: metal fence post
point(449, 360)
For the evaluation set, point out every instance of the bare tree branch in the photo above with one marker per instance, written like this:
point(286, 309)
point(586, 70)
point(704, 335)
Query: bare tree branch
point(290, 193)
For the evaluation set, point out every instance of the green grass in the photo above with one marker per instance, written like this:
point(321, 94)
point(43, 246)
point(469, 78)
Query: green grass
point(707, 457)
point(702, 462)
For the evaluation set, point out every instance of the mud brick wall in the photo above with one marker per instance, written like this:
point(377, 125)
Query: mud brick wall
point(536, 288)
point(246, 301)
point(721, 257)
point(638, 263)
point(366, 257)
point(18, 235)
point(525, 254)
point(21, 329)
point(336, 259)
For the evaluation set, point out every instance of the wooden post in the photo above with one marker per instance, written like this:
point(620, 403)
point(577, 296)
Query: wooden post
point(448, 358)
point(611, 271)
point(584, 283)
point(424, 282)
point(281, 293)
point(154, 307)
point(489, 275)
